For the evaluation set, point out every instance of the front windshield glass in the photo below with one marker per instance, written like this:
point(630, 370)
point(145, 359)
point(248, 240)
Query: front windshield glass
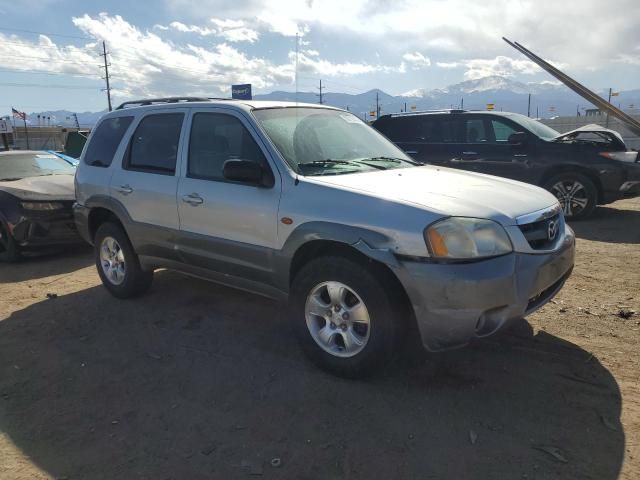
point(16, 166)
point(319, 141)
point(534, 126)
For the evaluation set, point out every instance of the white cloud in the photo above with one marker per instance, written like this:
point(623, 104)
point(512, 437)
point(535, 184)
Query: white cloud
point(181, 27)
point(417, 60)
point(143, 63)
point(226, 23)
point(283, 25)
point(500, 65)
point(448, 64)
point(467, 28)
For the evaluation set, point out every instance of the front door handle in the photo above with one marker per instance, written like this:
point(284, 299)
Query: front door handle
point(193, 199)
point(411, 152)
point(125, 189)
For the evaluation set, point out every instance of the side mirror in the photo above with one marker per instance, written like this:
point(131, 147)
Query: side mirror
point(247, 171)
point(517, 138)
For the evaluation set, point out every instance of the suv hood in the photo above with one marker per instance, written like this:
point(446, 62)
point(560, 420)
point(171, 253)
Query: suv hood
point(49, 187)
point(610, 138)
point(448, 192)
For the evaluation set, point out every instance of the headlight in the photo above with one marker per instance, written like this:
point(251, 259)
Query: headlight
point(464, 238)
point(42, 205)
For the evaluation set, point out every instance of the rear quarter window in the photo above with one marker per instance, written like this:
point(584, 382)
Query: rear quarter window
point(105, 141)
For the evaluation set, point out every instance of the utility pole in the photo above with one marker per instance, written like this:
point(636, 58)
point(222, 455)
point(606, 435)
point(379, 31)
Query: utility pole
point(320, 94)
point(537, 114)
point(75, 117)
point(377, 105)
point(461, 103)
point(106, 72)
point(529, 107)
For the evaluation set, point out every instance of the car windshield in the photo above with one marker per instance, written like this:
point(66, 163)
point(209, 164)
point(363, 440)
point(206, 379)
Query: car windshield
point(535, 127)
point(15, 166)
point(320, 141)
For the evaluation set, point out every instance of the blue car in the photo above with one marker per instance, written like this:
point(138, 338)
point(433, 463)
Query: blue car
point(66, 158)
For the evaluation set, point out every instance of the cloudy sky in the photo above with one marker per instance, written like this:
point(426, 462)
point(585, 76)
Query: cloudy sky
point(49, 49)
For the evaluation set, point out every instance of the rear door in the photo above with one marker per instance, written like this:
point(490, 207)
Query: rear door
point(145, 186)
point(225, 226)
point(426, 138)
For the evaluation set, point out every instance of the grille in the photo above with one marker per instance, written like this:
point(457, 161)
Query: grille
point(537, 233)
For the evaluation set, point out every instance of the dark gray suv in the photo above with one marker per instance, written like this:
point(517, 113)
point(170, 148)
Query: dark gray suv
point(582, 168)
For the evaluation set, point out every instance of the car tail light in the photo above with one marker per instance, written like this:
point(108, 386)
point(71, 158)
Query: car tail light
point(621, 156)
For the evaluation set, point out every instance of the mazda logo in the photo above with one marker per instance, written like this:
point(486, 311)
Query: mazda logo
point(552, 230)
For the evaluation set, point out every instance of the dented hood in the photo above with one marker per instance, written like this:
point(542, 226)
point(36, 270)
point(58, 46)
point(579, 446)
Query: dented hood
point(611, 135)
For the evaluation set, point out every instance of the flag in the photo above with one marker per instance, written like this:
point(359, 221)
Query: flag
point(18, 114)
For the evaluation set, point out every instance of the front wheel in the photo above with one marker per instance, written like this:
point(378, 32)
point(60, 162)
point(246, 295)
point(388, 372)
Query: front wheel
point(576, 193)
point(118, 264)
point(342, 314)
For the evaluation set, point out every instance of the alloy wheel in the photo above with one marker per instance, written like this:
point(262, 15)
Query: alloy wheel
point(572, 195)
point(337, 319)
point(112, 261)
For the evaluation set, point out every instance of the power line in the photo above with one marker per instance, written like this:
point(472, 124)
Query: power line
point(41, 72)
point(45, 33)
point(43, 85)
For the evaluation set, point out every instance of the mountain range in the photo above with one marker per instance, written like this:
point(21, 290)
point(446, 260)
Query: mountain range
point(548, 99)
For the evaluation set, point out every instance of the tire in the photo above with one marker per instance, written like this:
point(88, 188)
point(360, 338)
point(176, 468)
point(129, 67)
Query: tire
point(334, 348)
point(117, 263)
point(9, 251)
point(576, 204)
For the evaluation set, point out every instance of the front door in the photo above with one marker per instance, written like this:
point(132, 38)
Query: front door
point(486, 149)
point(225, 226)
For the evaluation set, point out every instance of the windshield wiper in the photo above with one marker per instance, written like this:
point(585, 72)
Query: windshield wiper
point(393, 160)
point(327, 161)
point(10, 179)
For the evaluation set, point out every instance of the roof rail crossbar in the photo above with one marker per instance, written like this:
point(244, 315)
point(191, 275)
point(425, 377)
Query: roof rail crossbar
point(152, 101)
point(443, 110)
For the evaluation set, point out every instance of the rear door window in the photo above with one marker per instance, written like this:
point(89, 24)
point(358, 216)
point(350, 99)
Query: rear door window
point(105, 141)
point(475, 131)
point(154, 145)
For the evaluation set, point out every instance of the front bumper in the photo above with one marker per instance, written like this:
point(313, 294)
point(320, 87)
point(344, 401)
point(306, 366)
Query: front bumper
point(454, 303)
point(39, 229)
point(630, 186)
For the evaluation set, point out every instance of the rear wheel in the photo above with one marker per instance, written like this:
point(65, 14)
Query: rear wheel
point(9, 251)
point(576, 193)
point(342, 313)
point(117, 263)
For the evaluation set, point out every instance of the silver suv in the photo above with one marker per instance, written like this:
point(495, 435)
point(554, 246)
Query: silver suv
point(308, 204)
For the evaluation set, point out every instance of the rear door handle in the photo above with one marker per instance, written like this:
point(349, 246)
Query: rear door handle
point(125, 189)
point(469, 153)
point(193, 199)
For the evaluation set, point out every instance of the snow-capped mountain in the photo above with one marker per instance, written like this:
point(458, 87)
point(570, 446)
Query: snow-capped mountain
point(548, 98)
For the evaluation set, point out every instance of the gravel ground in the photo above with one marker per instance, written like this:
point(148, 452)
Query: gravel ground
point(196, 381)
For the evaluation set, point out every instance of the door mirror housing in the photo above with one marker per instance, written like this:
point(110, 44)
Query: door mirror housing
point(517, 139)
point(247, 171)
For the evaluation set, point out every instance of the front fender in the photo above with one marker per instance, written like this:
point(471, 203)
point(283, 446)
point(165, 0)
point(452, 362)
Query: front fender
point(372, 244)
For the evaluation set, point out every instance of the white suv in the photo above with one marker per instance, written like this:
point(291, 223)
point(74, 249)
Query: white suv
point(307, 203)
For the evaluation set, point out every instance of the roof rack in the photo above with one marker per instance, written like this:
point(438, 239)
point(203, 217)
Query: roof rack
point(153, 101)
point(447, 110)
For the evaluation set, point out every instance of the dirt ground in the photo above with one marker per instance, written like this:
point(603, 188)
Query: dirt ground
point(196, 381)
